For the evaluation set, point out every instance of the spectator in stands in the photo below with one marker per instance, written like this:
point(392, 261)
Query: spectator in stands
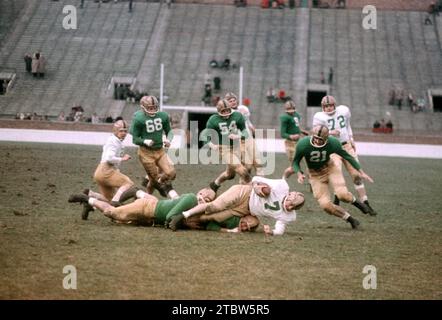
point(330, 75)
point(282, 96)
point(392, 96)
point(322, 78)
point(41, 65)
point(95, 119)
point(428, 20)
point(207, 78)
point(130, 5)
point(410, 100)
point(240, 3)
point(376, 124)
point(2, 86)
point(292, 4)
point(399, 97)
point(389, 126)
point(341, 4)
point(28, 62)
point(169, 3)
point(213, 63)
point(226, 64)
point(207, 98)
point(246, 101)
point(215, 100)
point(61, 116)
point(109, 119)
point(271, 95)
point(421, 104)
point(217, 83)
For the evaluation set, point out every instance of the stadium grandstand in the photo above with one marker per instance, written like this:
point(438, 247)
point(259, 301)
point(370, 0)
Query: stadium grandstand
point(115, 50)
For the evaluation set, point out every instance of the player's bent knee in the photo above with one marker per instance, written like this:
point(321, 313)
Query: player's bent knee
point(357, 180)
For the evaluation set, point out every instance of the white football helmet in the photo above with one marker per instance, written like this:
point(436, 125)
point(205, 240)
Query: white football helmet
point(319, 136)
point(150, 105)
point(223, 108)
point(328, 102)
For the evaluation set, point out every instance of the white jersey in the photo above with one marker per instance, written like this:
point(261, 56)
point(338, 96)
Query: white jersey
point(340, 120)
point(244, 110)
point(272, 206)
point(113, 151)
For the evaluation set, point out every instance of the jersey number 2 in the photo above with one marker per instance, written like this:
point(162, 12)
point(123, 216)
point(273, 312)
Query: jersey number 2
point(340, 119)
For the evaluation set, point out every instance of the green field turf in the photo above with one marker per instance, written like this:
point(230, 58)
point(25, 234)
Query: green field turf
point(319, 256)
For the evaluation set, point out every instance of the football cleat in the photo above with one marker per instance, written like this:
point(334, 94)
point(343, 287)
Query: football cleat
point(336, 201)
point(129, 193)
point(86, 209)
point(354, 223)
point(81, 198)
point(145, 182)
point(361, 206)
point(214, 186)
point(176, 222)
point(371, 212)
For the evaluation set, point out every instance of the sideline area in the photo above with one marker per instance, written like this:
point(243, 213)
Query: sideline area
point(277, 145)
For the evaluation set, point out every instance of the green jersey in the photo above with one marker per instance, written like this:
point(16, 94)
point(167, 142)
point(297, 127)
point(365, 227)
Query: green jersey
point(289, 124)
point(235, 124)
point(317, 158)
point(146, 127)
point(166, 209)
point(229, 223)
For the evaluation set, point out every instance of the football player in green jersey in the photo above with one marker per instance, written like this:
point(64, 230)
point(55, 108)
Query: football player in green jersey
point(223, 132)
point(323, 172)
point(148, 126)
point(290, 128)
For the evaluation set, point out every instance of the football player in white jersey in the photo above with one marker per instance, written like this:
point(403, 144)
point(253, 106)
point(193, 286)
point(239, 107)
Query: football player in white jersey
point(111, 182)
point(263, 198)
point(337, 119)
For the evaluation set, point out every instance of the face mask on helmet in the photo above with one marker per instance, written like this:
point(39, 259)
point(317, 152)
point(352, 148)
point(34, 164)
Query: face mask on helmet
point(328, 104)
point(149, 104)
point(319, 136)
point(223, 108)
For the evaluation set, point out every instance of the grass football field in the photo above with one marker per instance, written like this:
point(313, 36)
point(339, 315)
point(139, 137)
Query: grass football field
point(319, 256)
